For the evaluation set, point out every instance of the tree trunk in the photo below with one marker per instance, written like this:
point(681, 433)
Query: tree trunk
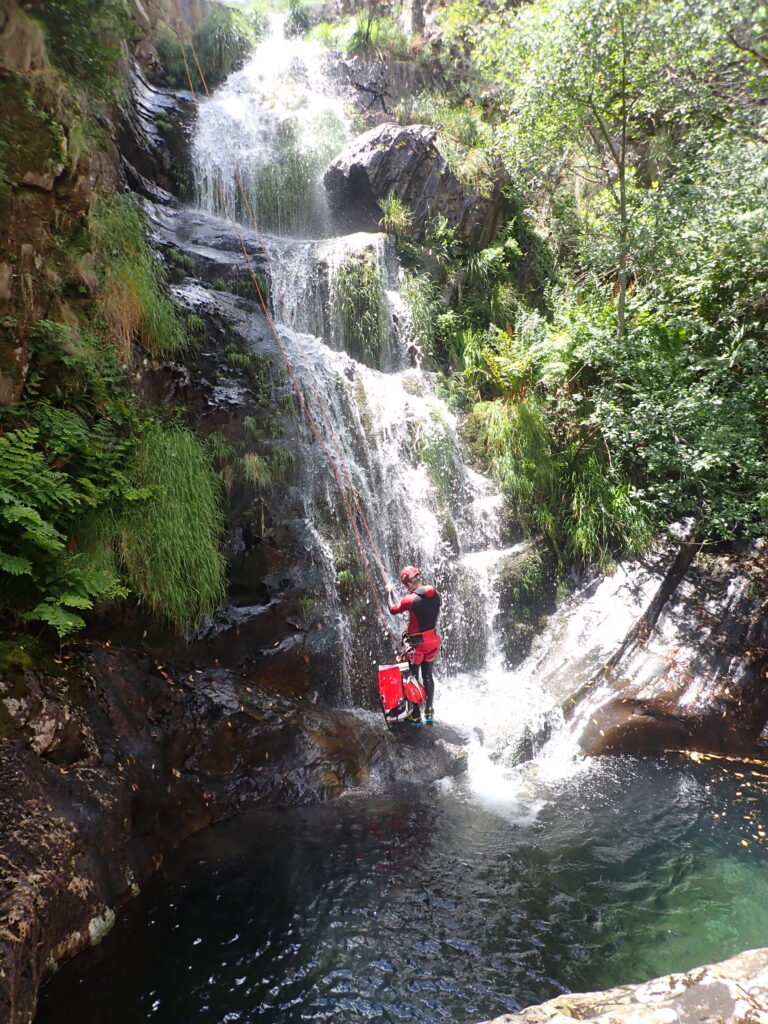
point(623, 234)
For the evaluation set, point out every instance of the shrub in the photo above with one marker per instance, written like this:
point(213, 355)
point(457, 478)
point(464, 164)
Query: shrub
point(559, 487)
point(396, 218)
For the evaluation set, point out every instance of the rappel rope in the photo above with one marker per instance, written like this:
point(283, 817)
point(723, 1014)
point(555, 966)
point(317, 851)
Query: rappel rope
point(349, 496)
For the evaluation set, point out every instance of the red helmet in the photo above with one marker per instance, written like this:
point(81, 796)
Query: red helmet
point(409, 574)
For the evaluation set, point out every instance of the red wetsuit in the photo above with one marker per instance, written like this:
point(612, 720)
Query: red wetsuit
point(423, 607)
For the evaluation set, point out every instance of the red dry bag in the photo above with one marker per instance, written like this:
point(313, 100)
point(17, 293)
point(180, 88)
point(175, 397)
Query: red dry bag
point(398, 692)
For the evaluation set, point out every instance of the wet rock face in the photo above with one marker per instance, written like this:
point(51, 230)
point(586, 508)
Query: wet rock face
point(525, 586)
point(404, 161)
point(732, 992)
point(113, 762)
point(152, 134)
point(375, 86)
point(692, 674)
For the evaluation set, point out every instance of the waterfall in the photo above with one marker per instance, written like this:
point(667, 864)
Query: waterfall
point(265, 136)
point(536, 872)
point(379, 431)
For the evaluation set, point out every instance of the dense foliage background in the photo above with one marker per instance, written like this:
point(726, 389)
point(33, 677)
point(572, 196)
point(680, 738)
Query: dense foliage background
point(631, 390)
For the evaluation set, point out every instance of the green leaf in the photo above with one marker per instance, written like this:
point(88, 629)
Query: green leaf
point(75, 601)
point(16, 565)
point(54, 615)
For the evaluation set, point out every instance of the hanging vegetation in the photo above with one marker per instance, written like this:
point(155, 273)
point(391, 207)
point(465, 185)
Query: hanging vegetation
point(217, 47)
point(359, 296)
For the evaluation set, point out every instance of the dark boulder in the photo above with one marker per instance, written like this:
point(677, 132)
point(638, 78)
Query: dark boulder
point(404, 161)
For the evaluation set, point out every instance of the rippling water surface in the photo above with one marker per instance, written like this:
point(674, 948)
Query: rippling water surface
point(423, 906)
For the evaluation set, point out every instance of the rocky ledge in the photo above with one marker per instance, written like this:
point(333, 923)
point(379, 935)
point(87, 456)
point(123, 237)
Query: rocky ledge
point(691, 673)
point(732, 992)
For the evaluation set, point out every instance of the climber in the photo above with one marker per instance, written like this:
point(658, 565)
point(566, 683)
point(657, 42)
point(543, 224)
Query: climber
point(422, 602)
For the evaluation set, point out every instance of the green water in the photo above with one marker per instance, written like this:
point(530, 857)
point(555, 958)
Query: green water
point(423, 906)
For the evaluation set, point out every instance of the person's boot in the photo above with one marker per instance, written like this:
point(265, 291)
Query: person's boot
point(429, 715)
point(415, 716)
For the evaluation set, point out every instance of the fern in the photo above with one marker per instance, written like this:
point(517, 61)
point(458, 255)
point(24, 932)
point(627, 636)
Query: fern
point(15, 565)
point(63, 621)
point(41, 579)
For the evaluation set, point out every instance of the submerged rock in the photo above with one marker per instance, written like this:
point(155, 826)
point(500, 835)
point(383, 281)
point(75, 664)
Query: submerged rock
point(392, 159)
point(732, 992)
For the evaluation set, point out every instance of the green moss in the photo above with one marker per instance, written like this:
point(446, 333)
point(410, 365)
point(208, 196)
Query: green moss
point(436, 451)
point(31, 141)
point(351, 583)
point(358, 293)
point(180, 264)
point(525, 587)
point(84, 38)
point(15, 653)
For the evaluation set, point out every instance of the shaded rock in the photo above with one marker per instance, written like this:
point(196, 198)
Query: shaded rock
point(163, 752)
point(525, 588)
point(152, 134)
point(691, 674)
point(22, 42)
point(732, 992)
point(404, 160)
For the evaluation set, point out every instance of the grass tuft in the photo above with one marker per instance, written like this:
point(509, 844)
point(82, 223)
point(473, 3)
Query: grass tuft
point(133, 300)
point(359, 298)
point(168, 542)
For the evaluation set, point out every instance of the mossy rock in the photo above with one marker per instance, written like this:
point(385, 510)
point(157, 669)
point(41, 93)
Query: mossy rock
point(525, 586)
point(33, 144)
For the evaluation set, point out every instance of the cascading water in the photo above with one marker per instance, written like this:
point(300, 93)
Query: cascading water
point(265, 135)
point(537, 873)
